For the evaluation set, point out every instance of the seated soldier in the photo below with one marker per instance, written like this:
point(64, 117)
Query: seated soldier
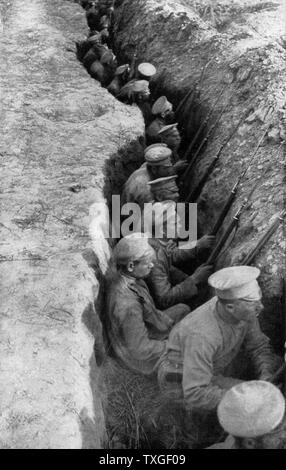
point(136, 330)
point(157, 165)
point(165, 189)
point(120, 79)
point(171, 137)
point(253, 414)
point(213, 346)
point(163, 110)
point(135, 91)
point(167, 283)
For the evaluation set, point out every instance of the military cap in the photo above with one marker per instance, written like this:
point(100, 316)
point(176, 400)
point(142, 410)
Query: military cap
point(146, 70)
point(236, 282)
point(131, 248)
point(94, 38)
point(170, 129)
point(168, 182)
point(158, 154)
point(161, 105)
point(251, 409)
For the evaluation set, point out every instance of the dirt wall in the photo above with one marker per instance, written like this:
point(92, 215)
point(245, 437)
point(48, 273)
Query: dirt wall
point(59, 128)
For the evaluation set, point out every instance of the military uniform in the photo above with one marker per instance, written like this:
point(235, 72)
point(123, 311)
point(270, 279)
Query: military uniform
point(204, 347)
point(167, 283)
point(136, 329)
point(136, 188)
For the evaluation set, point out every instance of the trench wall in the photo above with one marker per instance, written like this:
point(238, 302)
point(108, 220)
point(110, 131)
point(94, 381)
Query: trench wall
point(59, 128)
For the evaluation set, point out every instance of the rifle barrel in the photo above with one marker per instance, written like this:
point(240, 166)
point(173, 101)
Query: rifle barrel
point(193, 160)
point(215, 252)
point(204, 123)
point(224, 211)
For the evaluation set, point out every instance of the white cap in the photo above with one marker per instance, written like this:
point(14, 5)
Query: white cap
point(146, 69)
point(251, 409)
point(236, 282)
point(131, 248)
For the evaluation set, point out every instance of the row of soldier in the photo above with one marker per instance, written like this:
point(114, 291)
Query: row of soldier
point(156, 321)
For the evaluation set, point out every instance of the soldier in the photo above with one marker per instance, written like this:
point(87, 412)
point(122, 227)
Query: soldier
point(157, 165)
point(120, 79)
point(162, 109)
point(167, 283)
point(84, 46)
point(135, 91)
point(253, 414)
point(171, 137)
point(137, 331)
point(164, 189)
point(213, 345)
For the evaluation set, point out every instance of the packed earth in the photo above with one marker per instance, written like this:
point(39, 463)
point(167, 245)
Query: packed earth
point(143, 224)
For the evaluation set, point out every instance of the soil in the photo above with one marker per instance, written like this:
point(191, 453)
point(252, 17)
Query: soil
point(59, 127)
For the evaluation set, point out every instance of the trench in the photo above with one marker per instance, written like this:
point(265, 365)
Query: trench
point(124, 408)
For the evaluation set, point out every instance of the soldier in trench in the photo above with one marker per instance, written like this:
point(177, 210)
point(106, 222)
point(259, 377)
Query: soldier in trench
point(167, 283)
point(163, 112)
point(219, 345)
point(136, 329)
point(157, 164)
point(253, 415)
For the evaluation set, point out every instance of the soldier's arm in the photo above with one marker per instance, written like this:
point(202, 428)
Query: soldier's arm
point(180, 256)
point(199, 391)
point(258, 347)
point(164, 293)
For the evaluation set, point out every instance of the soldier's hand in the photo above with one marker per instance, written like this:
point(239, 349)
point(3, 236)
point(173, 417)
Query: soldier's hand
point(207, 241)
point(180, 166)
point(202, 274)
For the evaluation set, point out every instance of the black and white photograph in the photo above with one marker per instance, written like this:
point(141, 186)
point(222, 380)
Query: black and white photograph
point(143, 248)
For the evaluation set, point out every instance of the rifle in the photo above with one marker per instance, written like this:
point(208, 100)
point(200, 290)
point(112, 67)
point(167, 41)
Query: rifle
point(264, 239)
point(210, 131)
point(204, 123)
point(234, 190)
point(233, 224)
point(193, 90)
point(194, 195)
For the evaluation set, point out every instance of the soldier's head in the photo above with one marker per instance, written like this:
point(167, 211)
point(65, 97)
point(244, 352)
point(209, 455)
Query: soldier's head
point(146, 71)
point(238, 292)
point(159, 161)
point(164, 109)
point(134, 256)
point(161, 220)
point(254, 414)
point(171, 136)
point(164, 189)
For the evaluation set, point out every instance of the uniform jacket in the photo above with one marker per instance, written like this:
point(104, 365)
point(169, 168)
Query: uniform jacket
point(137, 331)
point(136, 188)
point(166, 282)
point(205, 346)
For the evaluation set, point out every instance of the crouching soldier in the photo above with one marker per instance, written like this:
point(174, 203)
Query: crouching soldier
point(214, 344)
point(157, 164)
point(171, 137)
point(136, 330)
point(164, 189)
point(120, 79)
point(253, 414)
point(162, 109)
point(167, 283)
